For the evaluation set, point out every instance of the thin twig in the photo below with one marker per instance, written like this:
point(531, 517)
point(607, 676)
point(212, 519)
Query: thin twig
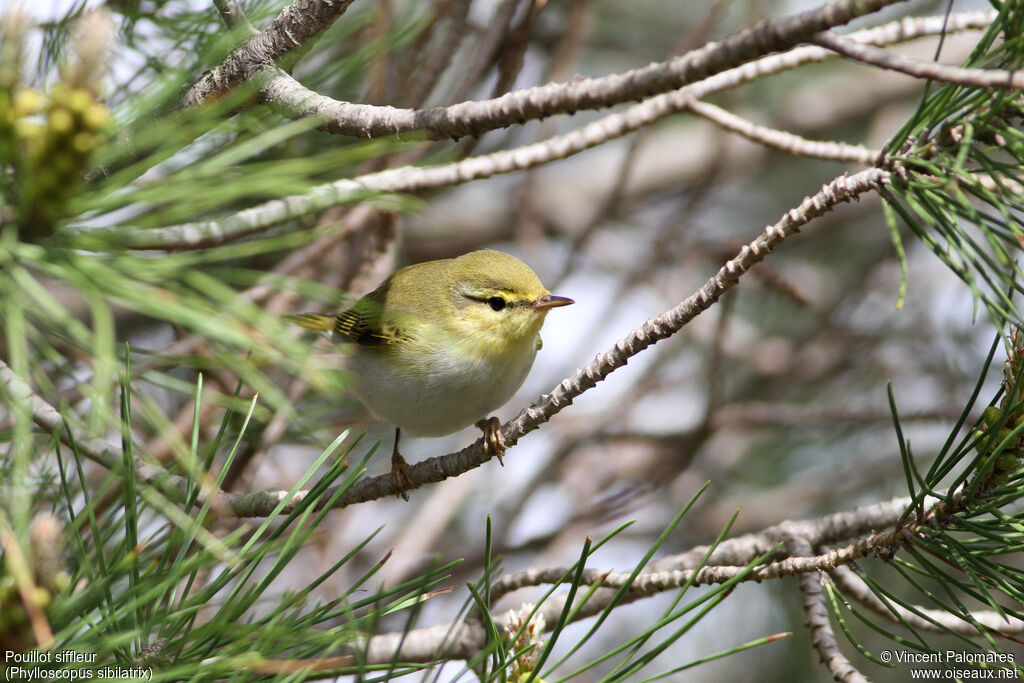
point(816, 609)
point(782, 140)
point(477, 117)
point(413, 179)
point(976, 78)
point(464, 639)
point(439, 468)
point(294, 27)
point(660, 580)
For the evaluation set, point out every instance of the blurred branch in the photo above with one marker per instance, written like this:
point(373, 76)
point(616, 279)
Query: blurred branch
point(790, 541)
point(438, 468)
point(977, 78)
point(612, 200)
point(922, 618)
point(430, 65)
point(753, 414)
point(840, 190)
point(782, 140)
point(297, 23)
point(233, 16)
point(477, 117)
point(487, 47)
point(816, 609)
point(412, 179)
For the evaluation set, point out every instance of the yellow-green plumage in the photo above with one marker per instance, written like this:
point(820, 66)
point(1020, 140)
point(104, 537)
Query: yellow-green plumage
point(311, 321)
point(439, 345)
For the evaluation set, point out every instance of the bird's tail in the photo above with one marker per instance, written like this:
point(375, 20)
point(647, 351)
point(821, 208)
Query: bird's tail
point(312, 321)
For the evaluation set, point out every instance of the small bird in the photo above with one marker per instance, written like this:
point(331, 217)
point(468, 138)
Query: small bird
point(440, 344)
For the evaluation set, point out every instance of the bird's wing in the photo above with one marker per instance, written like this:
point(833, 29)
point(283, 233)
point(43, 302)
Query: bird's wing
point(362, 324)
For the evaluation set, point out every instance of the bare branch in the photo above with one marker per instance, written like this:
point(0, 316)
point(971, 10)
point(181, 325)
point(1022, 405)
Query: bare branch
point(297, 23)
point(822, 636)
point(439, 468)
point(660, 579)
point(781, 140)
point(977, 78)
point(475, 118)
point(840, 190)
point(233, 16)
point(411, 179)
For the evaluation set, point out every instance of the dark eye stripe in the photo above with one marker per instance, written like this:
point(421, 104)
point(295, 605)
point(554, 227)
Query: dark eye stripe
point(498, 302)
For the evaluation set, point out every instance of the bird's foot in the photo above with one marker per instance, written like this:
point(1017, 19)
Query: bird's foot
point(494, 442)
point(401, 474)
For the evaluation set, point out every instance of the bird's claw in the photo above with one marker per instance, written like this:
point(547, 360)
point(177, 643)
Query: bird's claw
point(494, 442)
point(401, 474)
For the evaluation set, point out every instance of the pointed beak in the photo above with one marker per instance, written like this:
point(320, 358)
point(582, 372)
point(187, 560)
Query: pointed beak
point(549, 301)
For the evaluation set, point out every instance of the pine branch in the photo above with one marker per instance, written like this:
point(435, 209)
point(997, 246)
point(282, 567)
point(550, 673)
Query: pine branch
point(816, 611)
point(730, 560)
point(785, 141)
point(439, 468)
point(791, 541)
point(475, 118)
point(923, 618)
point(975, 78)
point(417, 179)
point(296, 24)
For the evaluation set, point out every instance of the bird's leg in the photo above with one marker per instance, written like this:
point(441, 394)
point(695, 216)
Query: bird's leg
point(494, 442)
point(400, 469)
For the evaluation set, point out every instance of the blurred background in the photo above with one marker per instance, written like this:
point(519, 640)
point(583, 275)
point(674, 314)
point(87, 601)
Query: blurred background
point(777, 395)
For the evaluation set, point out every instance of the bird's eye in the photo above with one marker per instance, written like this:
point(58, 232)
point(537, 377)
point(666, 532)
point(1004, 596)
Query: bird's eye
point(496, 303)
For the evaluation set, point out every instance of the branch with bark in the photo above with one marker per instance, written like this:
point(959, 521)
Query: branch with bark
point(782, 550)
point(438, 468)
point(303, 20)
point(412, 179)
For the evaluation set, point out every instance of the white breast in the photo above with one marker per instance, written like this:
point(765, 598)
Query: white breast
point(445, 392)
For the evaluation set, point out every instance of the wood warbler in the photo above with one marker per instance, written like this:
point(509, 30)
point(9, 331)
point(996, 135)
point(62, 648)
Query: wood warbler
point(439, 345)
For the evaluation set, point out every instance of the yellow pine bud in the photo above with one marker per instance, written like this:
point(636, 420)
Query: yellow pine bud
point(95, 116)
point(28, 130)
point(42, 597)
point(79, 100)
point(83, 142)
point(27, 102)
point(60, 120)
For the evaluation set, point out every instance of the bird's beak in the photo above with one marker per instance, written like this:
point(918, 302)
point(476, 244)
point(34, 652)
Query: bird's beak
point(549, 301)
